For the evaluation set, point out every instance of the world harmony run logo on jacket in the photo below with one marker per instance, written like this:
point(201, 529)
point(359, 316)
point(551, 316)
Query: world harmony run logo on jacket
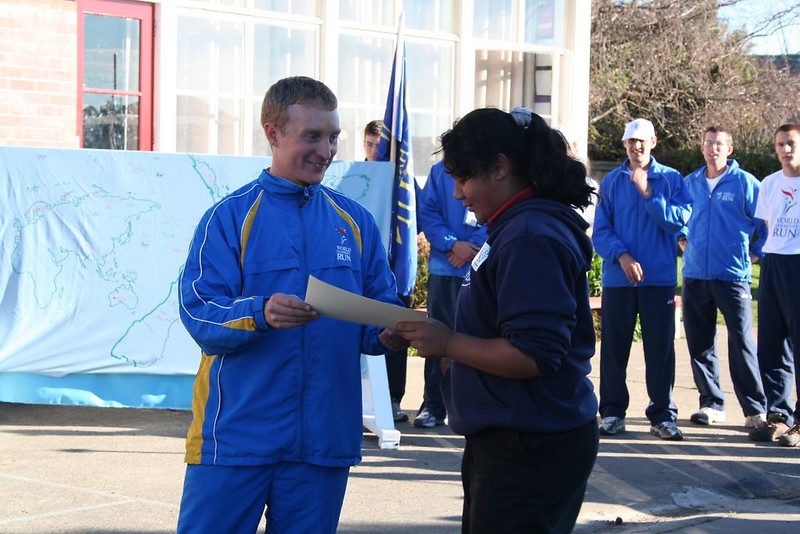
point(725, 196)
point(343, 252)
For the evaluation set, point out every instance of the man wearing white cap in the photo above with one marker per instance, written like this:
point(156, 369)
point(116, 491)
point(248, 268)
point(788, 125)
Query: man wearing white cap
point(643, 207)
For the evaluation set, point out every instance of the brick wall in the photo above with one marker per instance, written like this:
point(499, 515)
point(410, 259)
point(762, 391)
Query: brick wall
point(38, 73)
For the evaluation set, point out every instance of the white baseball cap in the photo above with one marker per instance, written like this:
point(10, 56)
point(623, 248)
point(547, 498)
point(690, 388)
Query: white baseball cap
point(639, 129)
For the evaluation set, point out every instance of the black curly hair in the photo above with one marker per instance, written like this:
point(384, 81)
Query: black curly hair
point(535, 151)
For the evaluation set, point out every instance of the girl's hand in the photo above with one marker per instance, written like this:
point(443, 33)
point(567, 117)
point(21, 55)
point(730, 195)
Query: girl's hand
point(429, 337)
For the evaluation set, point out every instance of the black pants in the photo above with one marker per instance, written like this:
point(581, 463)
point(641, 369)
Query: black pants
point(526, 482)
point(396, 361)
point(779, 333)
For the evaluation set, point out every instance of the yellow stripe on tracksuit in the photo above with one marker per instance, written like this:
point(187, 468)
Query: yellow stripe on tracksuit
point(202, 384)
point(246, 323)
point(247, 226)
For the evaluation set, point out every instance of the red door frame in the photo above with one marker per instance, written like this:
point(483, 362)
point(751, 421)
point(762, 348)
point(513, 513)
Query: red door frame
point(144, 12)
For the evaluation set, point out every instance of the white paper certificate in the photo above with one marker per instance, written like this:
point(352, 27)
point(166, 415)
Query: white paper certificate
point(330, 301)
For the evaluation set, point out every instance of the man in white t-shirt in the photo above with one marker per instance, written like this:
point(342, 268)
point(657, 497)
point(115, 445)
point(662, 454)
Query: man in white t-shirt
point(778, 306)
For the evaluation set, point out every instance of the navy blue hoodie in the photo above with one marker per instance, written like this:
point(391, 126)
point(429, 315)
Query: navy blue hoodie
point(528, 284)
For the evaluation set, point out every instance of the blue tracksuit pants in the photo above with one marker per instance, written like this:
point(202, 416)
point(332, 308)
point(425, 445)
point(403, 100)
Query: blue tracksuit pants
point(701, 299)
point(299, 498)
point(655, 306)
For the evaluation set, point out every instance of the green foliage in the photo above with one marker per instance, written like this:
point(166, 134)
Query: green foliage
point(686, 160)
point(419, 299)
point(595, 276)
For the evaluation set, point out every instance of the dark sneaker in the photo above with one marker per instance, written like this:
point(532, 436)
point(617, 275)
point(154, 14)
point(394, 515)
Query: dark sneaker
point(791, 438)
point(774, 428)
point(398, 414)
point(707, 415)
point(610, 426)
point(426, 419)
point(667, 430)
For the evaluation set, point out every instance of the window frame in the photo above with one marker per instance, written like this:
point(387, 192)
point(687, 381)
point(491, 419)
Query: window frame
point(143, 12)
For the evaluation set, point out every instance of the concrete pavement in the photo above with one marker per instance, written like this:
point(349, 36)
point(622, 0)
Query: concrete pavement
point(101, 470)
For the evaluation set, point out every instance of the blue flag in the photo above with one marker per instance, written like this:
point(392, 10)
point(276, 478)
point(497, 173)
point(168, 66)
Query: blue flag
point(395, 146)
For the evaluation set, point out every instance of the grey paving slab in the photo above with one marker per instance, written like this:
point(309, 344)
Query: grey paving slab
point(66, 469)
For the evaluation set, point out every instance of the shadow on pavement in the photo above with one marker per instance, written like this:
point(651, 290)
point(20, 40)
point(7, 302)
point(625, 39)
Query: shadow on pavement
point(57, 420)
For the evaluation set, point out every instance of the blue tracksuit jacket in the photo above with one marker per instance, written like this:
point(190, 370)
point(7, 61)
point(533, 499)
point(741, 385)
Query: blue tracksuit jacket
point(645, 228)
point(263, 396)
point(721, 226)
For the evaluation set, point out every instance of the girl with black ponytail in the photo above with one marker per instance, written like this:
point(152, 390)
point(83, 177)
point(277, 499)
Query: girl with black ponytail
point(517, 383)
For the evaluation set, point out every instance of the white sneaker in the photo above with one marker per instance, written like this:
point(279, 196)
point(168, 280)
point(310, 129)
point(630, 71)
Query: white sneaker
point(707, 415)
point(610, 426)
point(755, 421)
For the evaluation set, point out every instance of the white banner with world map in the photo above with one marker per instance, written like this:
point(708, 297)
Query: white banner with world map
point(92, 245)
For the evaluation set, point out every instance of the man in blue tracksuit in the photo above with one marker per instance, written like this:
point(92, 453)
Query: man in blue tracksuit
point(642, 208)
point(277, 399)
point(717, 256)
point(455, 237)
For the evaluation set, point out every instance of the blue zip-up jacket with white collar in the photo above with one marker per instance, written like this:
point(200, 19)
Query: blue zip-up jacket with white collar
point(644, 228)
point(721, 226)
point(441, 218)
point(266, 395)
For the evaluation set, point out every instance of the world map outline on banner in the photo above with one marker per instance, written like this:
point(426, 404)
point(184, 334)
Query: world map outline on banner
point(93, 242)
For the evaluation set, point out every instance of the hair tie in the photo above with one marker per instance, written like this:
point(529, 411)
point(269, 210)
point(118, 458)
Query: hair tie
point(522, 116)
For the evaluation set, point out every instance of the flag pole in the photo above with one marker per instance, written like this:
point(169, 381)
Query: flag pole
point(395, 146)
point(398, 66)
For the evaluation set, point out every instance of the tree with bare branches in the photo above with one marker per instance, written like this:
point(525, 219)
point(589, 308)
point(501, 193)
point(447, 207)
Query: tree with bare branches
point(677, 63)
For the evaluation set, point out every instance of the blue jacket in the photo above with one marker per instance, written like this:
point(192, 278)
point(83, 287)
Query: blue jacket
point(261, 395)
point(721, 226)
point(441, 219)
point(645, 228)
point(529, 285)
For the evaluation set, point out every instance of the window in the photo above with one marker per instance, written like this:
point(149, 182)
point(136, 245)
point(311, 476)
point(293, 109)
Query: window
point(211, 85)
point(225, 65)
point(430, 103)
point(369, 62)
point(278, 51)
point(296, 7)
point(494, 19)
point(506, 79)
point(544, 22)
point(380, 12)
point(115, 64)
point(429, 15)
point(429, 67)
point(229, 52)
